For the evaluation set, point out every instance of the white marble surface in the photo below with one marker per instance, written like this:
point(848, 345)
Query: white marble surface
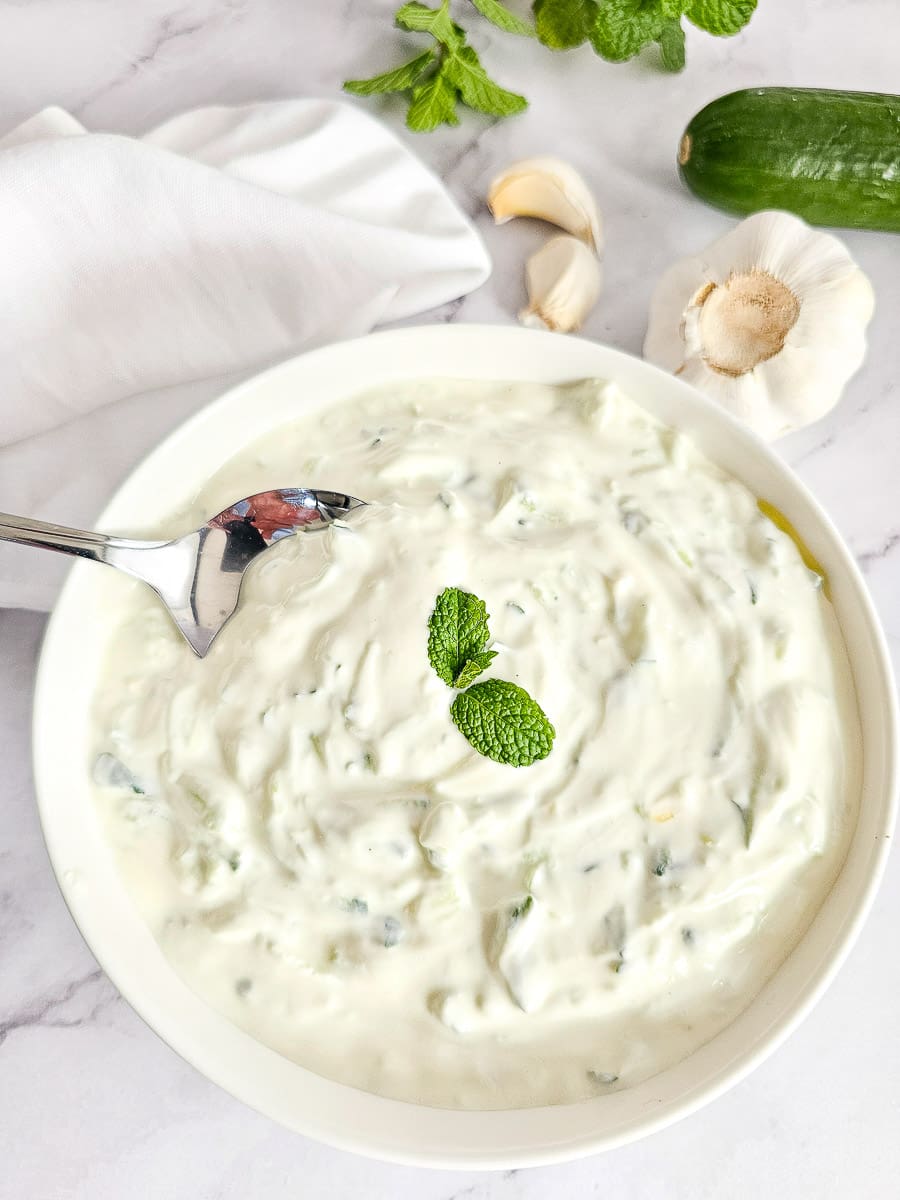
point(92, 1105)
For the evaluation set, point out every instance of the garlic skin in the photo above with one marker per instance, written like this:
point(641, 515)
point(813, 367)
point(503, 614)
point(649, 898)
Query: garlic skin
point(769, 321)
point(551, 190)
point(563, 279)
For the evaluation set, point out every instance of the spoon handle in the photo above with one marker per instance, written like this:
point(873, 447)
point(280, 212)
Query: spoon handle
point(80, 542)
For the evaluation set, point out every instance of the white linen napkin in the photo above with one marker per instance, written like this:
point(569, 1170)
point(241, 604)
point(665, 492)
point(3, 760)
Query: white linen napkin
point(218, 242)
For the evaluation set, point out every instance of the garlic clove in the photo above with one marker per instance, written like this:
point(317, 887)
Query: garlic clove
point(563, 280)
point(551, 190)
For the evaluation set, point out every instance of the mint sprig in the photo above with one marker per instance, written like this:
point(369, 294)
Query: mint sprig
point(450, 72)
point(499, 718)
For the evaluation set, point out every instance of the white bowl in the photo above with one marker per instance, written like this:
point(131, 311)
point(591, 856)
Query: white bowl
point(74, 649)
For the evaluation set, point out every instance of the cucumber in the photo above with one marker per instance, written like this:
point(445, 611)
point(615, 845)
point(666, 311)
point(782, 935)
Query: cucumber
point(831, 157)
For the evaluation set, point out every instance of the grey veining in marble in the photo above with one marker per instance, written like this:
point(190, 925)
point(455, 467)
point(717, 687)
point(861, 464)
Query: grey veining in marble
point(92, 1105)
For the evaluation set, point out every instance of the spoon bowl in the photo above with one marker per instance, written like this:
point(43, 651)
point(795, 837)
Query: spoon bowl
point(197, 576)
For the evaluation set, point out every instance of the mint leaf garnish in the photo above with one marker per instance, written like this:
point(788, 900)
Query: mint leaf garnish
point(473, 668)
point(502, 722)
point(500, 719)
point(457, 633)
point(721, 17)
point(398, 80)
point(562, 24)
point(500, 16)
point(671, 46)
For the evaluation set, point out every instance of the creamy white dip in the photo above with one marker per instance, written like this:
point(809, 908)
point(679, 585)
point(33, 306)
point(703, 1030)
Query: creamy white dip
point(326, 860)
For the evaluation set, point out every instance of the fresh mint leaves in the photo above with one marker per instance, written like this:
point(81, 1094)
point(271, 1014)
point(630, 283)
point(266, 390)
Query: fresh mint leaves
point(500, 719)
point(503, 722)
point(447, 74)
point(620, 29)
point(450, 72)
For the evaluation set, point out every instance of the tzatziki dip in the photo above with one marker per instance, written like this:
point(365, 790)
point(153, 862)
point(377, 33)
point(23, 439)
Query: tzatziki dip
point(325, 858)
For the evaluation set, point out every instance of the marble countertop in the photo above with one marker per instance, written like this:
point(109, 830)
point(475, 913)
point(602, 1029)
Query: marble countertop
point(92, 1105)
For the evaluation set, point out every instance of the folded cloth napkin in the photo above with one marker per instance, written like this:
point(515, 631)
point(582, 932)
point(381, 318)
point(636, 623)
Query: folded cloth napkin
point(218, 242)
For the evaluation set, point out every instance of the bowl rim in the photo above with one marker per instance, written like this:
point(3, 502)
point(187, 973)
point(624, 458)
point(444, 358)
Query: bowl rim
point(428, 1136)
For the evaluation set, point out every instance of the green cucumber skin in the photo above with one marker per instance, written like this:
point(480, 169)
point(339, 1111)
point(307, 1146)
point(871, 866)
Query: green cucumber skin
point(831, 157)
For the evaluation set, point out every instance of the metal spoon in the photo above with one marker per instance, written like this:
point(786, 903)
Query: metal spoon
point(198, 577)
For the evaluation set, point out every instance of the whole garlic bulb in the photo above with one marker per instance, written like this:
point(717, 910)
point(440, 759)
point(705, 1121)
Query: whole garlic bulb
point(769, 321)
